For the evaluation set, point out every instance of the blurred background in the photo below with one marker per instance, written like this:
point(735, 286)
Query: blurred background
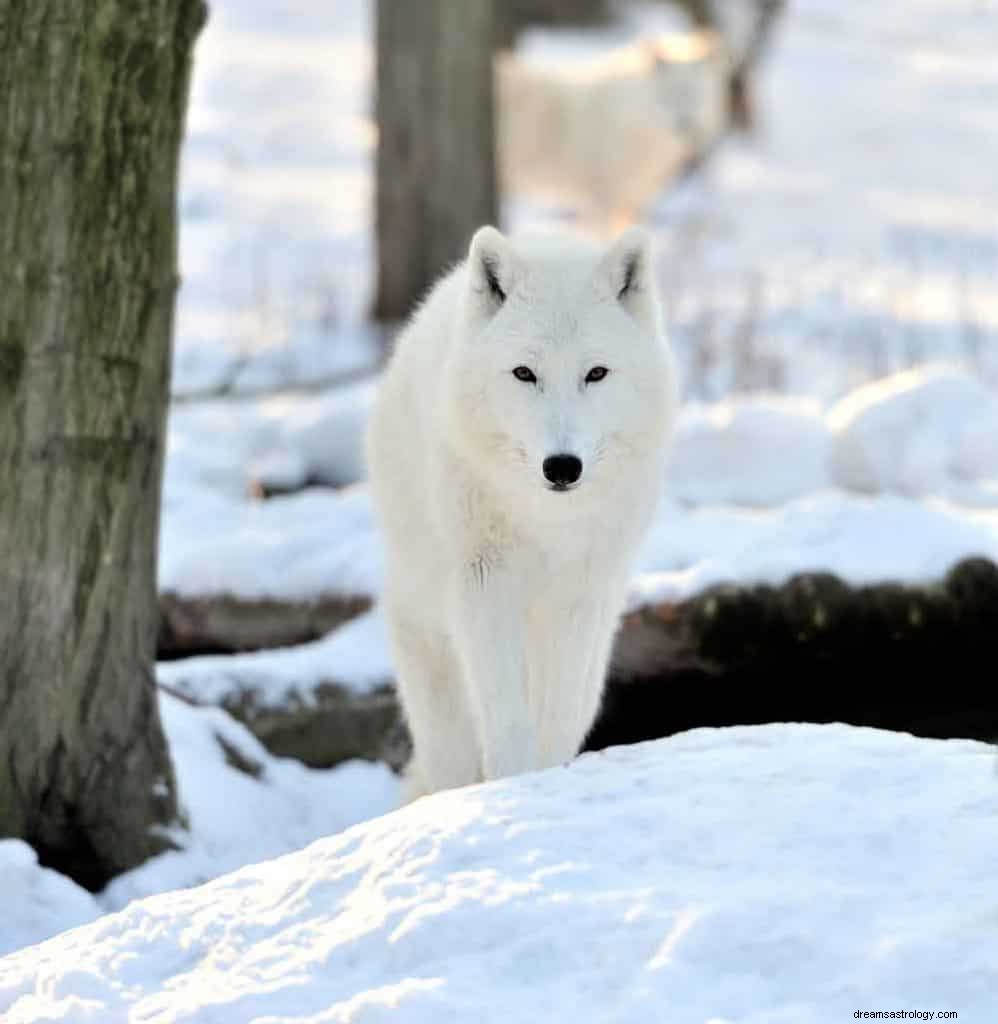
point(847, 234)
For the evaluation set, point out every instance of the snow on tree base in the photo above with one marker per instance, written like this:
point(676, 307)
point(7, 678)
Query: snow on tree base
point(758, 874)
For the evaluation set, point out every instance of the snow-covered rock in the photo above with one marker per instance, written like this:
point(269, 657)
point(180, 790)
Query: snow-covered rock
point(860, 538)
point(759, 450)
point(931, 430)
point(745, 876)
point(354, 656)
point(323, 702)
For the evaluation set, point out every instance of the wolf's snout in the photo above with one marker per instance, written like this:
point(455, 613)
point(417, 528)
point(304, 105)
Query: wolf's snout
point(562, 470)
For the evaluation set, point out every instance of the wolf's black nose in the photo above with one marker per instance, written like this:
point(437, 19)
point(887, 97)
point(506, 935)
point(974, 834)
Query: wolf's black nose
point(562, 470)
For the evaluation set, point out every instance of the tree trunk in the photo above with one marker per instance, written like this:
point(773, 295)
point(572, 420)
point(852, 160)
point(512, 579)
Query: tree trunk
point(92, 101)
point(744, 114)
point(436, 176)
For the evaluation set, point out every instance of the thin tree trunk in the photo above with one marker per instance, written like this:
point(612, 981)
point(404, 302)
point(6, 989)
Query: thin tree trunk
point(92, 101)
point(744, 114)
point(436, 176)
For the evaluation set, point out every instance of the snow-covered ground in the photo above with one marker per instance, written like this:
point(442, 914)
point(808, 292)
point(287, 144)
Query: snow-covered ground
point(354, 655)
point(234, 818)
point(762, 875)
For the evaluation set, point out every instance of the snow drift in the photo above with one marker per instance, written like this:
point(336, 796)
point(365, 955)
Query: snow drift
point(764, 874)
point(933, 430)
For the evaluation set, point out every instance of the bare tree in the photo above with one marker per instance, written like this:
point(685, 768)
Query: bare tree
point(750, 51)
point(436, 174)
point(92, 101)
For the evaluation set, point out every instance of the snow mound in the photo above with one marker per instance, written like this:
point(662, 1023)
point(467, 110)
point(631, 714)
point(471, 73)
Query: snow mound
point(759, 450)
point(232, 446)
point(244, 805)
point(327, 433)
point(37, 902)
point(292, 547)
point(241, 804)
point(931, 430)
point(756, 875)
point(861, 539)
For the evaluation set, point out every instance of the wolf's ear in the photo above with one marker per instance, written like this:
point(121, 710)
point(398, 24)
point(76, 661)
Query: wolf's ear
point(627, 270)
point(491, 268)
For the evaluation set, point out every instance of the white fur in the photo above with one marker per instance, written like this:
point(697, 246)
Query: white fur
point(610, 135)
point(502, 595)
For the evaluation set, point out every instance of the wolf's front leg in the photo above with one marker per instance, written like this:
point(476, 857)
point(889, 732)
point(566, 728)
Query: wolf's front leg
point(570, 652)
point(490, 615)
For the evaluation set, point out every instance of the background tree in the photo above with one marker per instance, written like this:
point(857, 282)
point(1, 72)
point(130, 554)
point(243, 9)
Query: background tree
point(704, 14)
point(436, 173)
point(92, 101)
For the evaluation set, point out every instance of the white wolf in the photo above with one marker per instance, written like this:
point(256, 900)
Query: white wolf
point(515, 455)
point(610, 135)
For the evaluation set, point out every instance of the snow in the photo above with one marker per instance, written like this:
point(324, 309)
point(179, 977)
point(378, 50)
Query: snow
point(923, 432)
point(221, 443)
point(758, 450)
point(862, 540)
point(275, 197)
point(758, 874)
point(355, 655)
point(38, 903)
point(231, 818)
point(292, 547)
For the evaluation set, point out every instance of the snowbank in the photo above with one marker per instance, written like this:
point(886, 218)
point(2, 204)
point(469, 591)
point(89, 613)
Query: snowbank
point(37, 903)
point(758, 450)
point(234, 445)
point(235, 815)
point(860, 539)
point(766, 874)
point(354, 655)
point(243, 805)
point(293, 547)
point(932, 430)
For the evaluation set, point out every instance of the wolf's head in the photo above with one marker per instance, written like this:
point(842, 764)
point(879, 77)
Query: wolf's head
point(560, 376)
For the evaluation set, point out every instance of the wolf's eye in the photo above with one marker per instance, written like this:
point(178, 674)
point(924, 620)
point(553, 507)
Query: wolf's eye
point(525, 374)
point(596, 373)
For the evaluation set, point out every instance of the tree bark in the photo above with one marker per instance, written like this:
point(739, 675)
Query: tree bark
point(93, 95)
point(436, 176)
